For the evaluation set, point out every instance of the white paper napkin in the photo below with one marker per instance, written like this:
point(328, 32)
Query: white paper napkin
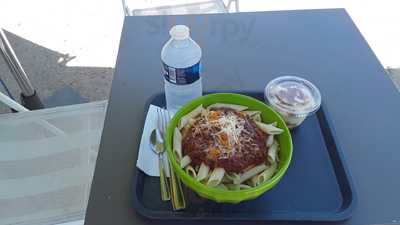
point(147, 160)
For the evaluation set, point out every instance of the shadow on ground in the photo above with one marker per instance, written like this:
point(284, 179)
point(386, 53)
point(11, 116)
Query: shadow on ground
point(48, 72)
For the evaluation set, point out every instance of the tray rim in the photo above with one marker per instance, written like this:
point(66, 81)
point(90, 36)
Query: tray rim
point(300, 216)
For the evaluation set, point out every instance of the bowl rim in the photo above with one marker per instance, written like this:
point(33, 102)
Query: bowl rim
point(212, 192)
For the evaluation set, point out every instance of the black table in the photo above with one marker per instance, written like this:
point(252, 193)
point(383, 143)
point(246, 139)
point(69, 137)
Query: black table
point(243, 52)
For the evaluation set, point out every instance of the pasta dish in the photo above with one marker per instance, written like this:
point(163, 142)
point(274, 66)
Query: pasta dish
point(224, 138)
point(227, 146)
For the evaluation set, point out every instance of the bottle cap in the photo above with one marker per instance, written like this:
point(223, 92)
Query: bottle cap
point(179, 32)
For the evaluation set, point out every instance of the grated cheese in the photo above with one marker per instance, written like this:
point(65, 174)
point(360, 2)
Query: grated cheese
point(227, 125)
point(232, 126)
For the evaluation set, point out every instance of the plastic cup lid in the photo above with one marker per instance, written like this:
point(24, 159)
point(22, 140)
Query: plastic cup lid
point(179, 32)
point(293, 95)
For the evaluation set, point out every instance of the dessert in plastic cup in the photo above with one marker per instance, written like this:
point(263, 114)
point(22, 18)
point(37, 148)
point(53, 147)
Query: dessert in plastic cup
point(294, 98)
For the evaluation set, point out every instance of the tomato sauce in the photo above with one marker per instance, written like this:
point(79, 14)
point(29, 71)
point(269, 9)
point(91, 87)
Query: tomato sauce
point(206, 141)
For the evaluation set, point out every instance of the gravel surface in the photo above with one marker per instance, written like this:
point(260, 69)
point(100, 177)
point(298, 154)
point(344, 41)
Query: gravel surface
point(48, 73)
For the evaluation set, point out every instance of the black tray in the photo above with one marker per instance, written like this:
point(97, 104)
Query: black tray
point(316, 187)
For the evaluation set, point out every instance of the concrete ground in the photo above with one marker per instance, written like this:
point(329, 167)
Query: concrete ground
point(74, 43)
point(49, 73)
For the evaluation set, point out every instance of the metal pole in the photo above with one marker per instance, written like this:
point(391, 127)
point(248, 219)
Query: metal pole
point(28, 93)
point(18, 72)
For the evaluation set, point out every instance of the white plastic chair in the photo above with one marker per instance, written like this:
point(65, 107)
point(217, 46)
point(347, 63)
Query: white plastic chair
point(47, 160)
point(176, 7)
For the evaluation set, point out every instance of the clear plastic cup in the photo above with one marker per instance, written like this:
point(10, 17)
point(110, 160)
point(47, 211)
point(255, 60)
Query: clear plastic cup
point(293, 97)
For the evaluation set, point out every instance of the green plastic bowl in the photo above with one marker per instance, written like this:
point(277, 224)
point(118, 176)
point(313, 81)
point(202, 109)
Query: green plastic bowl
point(268, 115)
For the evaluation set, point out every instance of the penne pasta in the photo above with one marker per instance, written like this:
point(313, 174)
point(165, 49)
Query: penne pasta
point(250, 173)
point(252, 181)
point(226, 105)
point(222, 186)
point(236, 187)
point(233, 187)
point(216, 177)
point(192, 172)
point(185, 119)
point(273, 152)
point(266, 174)
point(204, 112)
point(177, 144)
point(244, 186)
point(203, 172)
point(225, 179)
point(185, 161)
point(269, 128)
point(251, 113)
point(234, 177)
point(204, 181)
point(191, 122)
point(256, 117)
point(201, 119)
point(270, 140)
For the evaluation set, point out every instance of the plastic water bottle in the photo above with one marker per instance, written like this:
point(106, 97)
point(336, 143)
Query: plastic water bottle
point(181, 62)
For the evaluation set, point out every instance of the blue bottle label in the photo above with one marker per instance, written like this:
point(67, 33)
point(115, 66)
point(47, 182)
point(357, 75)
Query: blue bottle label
point(182, 76)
